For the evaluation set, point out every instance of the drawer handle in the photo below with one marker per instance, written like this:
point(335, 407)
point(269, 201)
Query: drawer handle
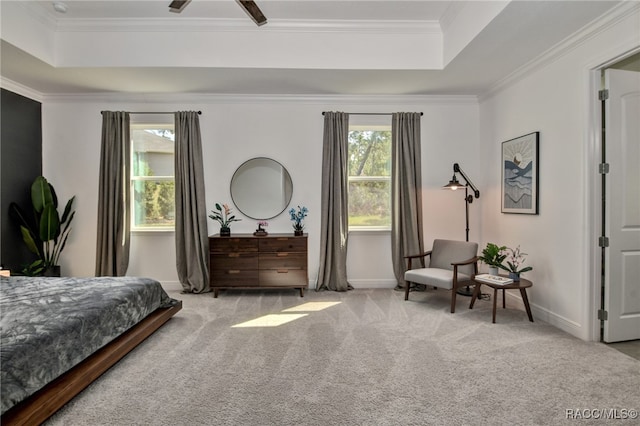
point(234, 271)
point(282, 254)
point(283, 239)
point(283, 271)
point(234, 254)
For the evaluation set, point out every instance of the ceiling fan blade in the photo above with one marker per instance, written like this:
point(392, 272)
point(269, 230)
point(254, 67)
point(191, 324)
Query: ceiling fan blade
point(177, 5)
point(253, 11)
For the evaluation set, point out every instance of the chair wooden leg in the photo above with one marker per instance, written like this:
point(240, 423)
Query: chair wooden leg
point(453, 300)
point(406, 290)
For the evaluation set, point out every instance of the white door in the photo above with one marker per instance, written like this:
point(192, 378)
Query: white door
point(622, 263)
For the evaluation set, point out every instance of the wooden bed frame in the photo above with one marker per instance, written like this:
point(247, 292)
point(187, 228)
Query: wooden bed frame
point(44, 403)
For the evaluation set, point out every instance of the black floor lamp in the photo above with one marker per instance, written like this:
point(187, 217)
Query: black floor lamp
point(468, 199)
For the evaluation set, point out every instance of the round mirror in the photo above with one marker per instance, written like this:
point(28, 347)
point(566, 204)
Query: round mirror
point(261, 188)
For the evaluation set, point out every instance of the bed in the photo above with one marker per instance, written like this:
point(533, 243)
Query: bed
point(59, 334)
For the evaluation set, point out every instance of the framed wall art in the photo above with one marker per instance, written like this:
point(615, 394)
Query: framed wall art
point(520, 174)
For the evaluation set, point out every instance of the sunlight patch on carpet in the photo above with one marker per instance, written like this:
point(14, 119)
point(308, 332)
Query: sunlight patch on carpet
point(271, 320)
point(274, 320)
point(311, 307)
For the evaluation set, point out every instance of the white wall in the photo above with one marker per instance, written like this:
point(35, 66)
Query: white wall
point(554, 99)
point(234, 129)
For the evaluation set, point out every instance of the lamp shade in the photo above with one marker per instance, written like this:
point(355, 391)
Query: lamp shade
point(453, 184)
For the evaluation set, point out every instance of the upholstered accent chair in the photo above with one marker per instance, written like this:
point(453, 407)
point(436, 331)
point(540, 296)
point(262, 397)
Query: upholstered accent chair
point(452, 264)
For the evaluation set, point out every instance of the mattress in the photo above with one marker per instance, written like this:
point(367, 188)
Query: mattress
point(49, 325)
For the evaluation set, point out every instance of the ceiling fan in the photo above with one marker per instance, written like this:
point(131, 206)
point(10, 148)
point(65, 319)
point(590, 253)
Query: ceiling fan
point(249, 6)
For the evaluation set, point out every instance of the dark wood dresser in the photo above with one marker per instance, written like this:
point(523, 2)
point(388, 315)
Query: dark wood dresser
point(248, 261)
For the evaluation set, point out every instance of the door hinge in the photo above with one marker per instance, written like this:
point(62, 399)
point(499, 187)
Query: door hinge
point(603, 94)
point(603, 241)
point(603, 315)
point(603, 168)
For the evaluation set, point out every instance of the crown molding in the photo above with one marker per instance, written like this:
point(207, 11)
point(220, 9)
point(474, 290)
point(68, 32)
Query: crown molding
point(622, 11)
point(25, 91)
point(242, 25)
point(206, 98)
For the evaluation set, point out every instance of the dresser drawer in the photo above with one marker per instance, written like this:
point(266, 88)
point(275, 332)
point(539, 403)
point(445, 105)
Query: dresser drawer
point(234, 278)
point(288, 244)
point(284, 277)
point(234, 260)
point(238, 245)
point(293, 260)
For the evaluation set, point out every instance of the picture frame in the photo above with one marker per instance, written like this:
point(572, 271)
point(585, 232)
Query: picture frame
point(520, 174)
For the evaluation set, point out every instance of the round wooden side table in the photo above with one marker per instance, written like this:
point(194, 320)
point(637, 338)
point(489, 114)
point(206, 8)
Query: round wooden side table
point(521, 285)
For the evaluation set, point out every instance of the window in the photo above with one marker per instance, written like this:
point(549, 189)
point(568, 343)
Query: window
point(152, 176)
point(369, 177)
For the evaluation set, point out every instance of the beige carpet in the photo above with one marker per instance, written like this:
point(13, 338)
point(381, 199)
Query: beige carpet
point(372, 359)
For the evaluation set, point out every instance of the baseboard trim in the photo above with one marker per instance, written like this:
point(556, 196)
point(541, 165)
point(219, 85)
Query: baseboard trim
point(171, 285)
point(373, 283)
point(543, 314)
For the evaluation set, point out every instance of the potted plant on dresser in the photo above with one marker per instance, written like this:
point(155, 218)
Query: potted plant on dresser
point(297, 218)
point(45, 235)
point(493, 256)
point(224, 217)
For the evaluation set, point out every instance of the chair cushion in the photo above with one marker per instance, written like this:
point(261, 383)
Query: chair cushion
point(437, 277)
point(444, 252)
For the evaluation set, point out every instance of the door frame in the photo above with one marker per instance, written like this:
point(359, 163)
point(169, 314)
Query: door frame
point(593, 179)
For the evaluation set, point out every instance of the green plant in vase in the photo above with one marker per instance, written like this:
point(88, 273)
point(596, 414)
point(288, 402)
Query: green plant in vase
point(493, 256)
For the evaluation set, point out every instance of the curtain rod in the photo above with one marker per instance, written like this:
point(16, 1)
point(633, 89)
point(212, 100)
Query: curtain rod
point(371, 113)
point(153, 112)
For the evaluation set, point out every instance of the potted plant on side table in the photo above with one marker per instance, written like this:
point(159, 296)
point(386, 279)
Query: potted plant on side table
point(493, 256)
point(514, 258)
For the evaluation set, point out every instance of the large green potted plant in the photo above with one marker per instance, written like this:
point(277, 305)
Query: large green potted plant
point(45, 235)
point(493, 256)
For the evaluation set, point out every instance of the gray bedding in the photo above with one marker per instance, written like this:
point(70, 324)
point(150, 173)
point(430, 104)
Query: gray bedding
point(48, 325)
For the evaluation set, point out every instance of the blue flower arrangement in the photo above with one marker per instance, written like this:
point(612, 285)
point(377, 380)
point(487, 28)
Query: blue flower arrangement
point(297, 217)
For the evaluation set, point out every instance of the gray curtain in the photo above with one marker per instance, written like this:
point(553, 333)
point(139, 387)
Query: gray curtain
point(406, 191)
point(114, 192)
point(192, 243)
point(332, 274)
